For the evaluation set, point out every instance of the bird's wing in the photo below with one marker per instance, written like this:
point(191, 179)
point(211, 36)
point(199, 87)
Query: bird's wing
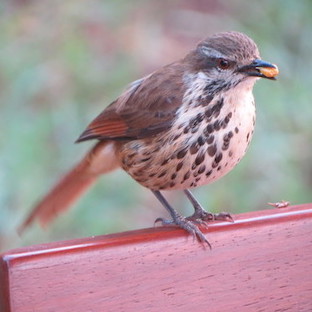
point(146, 108)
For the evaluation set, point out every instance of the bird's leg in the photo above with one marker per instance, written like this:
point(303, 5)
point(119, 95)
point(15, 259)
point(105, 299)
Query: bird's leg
point(179, 220)
point(200, 215)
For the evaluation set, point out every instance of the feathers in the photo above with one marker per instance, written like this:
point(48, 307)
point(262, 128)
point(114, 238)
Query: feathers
point(145, 109)
point(101, 159)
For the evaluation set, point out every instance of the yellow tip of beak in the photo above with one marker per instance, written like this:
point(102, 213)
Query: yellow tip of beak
point(269, 72)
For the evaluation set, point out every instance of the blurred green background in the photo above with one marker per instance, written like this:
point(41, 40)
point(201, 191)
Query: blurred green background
point(62, 62)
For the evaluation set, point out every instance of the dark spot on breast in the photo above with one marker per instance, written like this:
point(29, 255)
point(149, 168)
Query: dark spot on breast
point(209, 129)
point(219, 168)
point(187, 175)
point(176, 136)
point(247, 137)
point(208, 173)
point(199, 159)
point(194, 148)
point(214, 111)
point(226, 140)
point(182, 153)
point(200, 117)
point(155, 150)
point(186, 129)
point(212, 149)
point(236, 130)
point(197, 179)
point(217, 125)
point(230, 153)
point(195, 129)
point(162, 174)
point(218, 106)
point(210, 139)
point(208, 113)
point(218, 158)
point(152, 174)
point(201, 169)
point(173, 176)
point(226, 120)
point(214, 164)
point(206, 100)
point(225, 146)
point(165, 162)
point(195, 121)
point(172, 184)
point(179, 166)
point(201, 141)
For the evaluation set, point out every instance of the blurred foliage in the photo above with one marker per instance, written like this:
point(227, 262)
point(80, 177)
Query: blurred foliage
point(61, 64)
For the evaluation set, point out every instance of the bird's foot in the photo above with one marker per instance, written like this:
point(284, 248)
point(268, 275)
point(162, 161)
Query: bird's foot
point(187, 225)
point(202, 217)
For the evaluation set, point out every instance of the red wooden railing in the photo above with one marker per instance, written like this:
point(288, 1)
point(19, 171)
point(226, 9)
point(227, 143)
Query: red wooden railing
point(262, 262)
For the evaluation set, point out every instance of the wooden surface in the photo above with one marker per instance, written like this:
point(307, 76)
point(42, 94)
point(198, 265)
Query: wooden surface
point(262, 262)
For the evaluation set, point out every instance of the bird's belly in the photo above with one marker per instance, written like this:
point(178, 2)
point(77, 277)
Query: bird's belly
point(181, 158)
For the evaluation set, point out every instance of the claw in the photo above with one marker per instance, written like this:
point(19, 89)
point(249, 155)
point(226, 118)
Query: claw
point(223, 216)
point(192, 228)
point(163, 221)
point(202, 216)
point(189, 226)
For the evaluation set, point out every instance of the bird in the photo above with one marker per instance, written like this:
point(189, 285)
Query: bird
point(185, 125)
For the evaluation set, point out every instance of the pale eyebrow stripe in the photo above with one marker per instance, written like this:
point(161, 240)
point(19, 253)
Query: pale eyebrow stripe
point(212, 52)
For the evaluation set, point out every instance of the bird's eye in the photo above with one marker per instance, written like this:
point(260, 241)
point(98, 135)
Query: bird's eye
point(223, 63)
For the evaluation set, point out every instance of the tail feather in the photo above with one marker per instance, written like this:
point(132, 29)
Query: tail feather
point(99, 160)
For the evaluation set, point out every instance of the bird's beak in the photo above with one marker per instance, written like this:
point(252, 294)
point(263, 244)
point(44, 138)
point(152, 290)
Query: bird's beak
point(259, 68)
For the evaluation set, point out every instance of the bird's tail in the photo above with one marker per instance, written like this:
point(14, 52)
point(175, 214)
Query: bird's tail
point(99, 160)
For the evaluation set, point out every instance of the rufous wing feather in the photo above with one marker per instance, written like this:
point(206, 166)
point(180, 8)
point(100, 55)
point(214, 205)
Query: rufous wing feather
point(105, 126)
point(145, 109)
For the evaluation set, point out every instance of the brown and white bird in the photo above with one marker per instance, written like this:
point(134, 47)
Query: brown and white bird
point(187, 124)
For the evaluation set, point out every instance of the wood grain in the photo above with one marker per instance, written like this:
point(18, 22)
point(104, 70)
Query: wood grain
point(262, 262)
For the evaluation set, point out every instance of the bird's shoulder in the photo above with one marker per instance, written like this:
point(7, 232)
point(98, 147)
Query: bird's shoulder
point(145, 108)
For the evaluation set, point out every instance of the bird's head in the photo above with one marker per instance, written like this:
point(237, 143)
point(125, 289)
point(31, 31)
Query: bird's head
point(229, 58)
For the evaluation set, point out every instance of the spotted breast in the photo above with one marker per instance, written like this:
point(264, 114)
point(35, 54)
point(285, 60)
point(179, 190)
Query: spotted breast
point(208, 138)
